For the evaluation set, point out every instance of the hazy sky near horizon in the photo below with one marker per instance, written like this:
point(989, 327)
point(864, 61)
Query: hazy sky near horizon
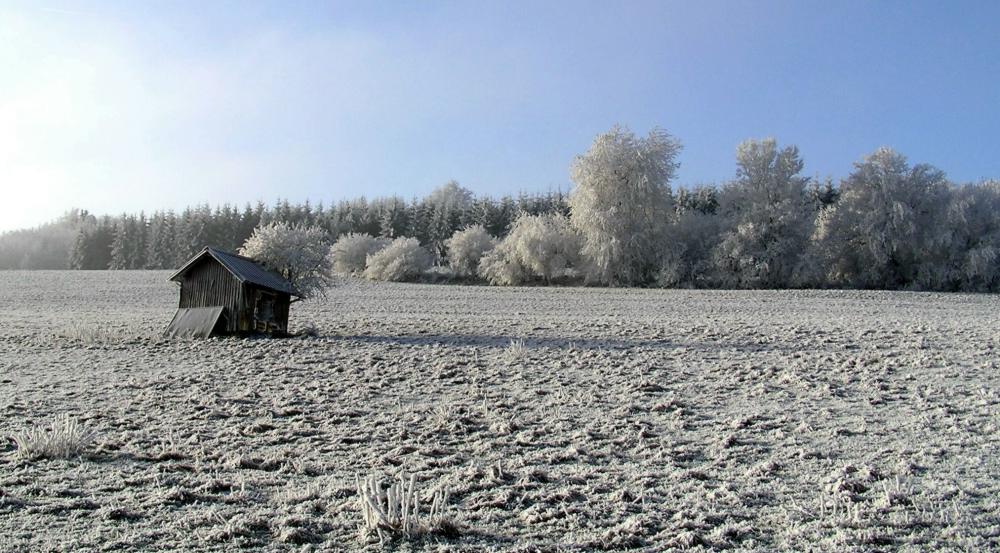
point(129, 106)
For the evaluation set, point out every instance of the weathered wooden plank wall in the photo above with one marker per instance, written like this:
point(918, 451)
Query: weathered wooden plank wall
point(210, 284)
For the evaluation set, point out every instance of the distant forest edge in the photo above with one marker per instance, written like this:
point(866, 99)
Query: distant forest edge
point(887, 225)
point(165, 239)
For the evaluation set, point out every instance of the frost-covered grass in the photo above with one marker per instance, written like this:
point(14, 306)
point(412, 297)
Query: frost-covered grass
point(515, 351)
point(637, 420)
point(89, 334)
point(63, 439)
point(394, 511)
point(92, 334)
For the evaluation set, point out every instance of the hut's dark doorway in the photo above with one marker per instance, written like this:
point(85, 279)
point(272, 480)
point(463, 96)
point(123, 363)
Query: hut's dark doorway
point(222, 325)
point(263, 311)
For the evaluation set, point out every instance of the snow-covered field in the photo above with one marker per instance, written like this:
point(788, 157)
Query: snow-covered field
point(620, 419)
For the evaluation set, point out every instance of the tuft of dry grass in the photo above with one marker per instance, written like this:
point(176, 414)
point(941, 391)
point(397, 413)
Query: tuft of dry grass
point(395, 512)
point(89, 334)
point(65, 438)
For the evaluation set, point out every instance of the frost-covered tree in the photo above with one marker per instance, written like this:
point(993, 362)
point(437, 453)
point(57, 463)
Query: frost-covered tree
point(128, 248)
point(47, 246)
point(441, 225)
point(875, 234)
point(357, 215)
point(297, 252)
point(823, 194)
point(92, 247)
point(403, 259)
point(119, 245)
point(976, 211)
point(488, 214)
point(686, 259)
point(349, 254)
point(622, 202)
point(451, 197)
point(767, 217)
point(392, 216)
point(538, 246)
point(446, 210)
point(159, 241)
point(467, 247)
point(702, 199)
point(963, 251)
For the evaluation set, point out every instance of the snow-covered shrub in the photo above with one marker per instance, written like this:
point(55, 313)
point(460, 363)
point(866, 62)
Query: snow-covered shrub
point(622, 203)
point(403, 259)
point(541, 246)
point(64, 439)
point(467, 247)
point(349, 254)
point(767, 217)
point(502, 268)
point(883, 223)
point(298, 253)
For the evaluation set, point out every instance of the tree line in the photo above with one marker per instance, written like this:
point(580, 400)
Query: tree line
point(165, 239)
point(887, 225)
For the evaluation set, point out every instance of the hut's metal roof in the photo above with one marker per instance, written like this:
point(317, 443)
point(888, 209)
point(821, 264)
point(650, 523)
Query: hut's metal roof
point(243, 268)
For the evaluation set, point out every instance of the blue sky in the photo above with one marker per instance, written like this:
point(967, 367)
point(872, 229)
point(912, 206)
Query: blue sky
point(128, 106)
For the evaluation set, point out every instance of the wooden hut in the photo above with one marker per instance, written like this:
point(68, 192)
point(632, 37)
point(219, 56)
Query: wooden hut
point(225, 293)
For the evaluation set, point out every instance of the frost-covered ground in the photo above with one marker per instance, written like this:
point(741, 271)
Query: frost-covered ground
point(628, 419)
